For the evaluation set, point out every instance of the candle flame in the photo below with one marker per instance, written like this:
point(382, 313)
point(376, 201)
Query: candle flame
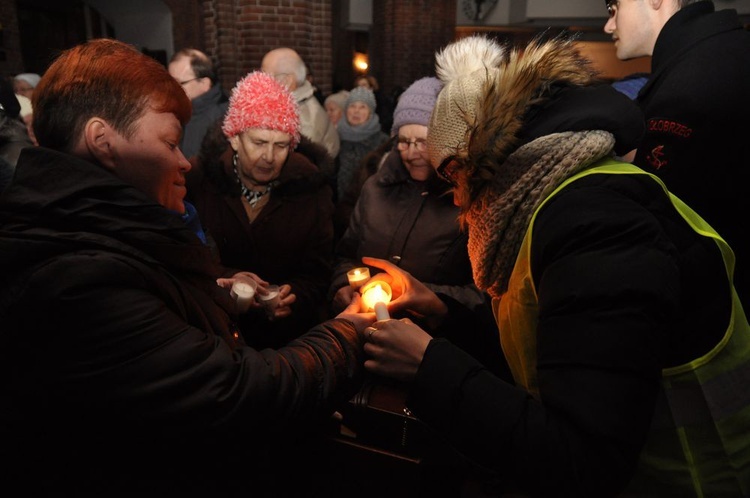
point(377, 293)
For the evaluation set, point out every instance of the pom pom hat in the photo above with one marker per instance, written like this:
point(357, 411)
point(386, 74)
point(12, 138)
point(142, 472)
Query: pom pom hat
point(464, 67)
point(416, 103)
point(259, 101)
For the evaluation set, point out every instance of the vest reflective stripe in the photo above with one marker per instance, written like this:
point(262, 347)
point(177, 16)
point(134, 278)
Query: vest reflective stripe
point(699, 441)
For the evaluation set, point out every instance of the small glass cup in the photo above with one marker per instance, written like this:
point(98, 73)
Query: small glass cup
point(358, 276)
point(376, 292)
point(243, 291)
point(270, 301)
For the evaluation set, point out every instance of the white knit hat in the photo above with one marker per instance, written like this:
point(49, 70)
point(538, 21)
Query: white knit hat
point(464, 66)
point(30, 78)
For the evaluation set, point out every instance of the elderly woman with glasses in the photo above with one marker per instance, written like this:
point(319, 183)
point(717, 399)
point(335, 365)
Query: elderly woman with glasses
point(405, 214)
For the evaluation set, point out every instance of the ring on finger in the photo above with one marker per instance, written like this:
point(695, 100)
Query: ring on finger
point(371, 331)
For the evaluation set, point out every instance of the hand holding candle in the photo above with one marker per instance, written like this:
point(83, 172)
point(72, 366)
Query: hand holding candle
point(375, 296)
point(357, 277)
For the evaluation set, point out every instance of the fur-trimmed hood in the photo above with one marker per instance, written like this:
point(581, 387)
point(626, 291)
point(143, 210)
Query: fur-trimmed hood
point(545, 87)
point(525, 83)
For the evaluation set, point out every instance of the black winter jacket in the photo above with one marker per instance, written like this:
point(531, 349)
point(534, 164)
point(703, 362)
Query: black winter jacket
point(696, 108)
point(121, 369)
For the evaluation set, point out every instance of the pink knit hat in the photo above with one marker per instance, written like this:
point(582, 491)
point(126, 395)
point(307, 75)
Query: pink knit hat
point(259, 101)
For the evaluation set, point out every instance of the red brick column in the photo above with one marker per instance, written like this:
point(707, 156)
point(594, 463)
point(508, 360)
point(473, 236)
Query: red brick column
point(404, 37)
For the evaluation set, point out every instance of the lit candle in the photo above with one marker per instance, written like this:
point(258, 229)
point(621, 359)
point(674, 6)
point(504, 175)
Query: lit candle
point(243, 292)
point(358, 276)
point(375, 296)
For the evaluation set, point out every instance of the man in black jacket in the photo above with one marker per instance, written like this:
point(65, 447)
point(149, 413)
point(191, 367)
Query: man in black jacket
point(696, 108)
point(123, 372)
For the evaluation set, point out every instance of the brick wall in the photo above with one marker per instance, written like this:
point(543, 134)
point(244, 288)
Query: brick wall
point(239, 32)
point(404, 38)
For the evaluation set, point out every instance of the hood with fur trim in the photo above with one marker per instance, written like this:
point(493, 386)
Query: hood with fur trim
point(543, 88)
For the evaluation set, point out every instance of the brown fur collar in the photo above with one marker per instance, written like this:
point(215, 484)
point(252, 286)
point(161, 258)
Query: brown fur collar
point(523, 82)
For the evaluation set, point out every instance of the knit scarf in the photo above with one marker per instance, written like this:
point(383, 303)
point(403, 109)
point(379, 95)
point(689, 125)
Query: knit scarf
point(500, 215)
point(360, 132)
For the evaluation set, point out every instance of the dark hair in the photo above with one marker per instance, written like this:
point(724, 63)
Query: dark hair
point(104, 78)
point(199, 62)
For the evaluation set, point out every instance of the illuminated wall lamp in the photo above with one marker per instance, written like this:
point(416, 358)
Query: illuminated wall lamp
point(360, 62)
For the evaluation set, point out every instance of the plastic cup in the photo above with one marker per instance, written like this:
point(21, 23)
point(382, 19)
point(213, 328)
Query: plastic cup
point(270, 301)
point(243, 291)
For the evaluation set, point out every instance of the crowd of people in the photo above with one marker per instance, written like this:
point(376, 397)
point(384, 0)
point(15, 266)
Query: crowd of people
point(565, 262)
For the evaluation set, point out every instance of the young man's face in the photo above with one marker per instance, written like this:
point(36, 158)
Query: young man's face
point(634, 26)
point(151, 160)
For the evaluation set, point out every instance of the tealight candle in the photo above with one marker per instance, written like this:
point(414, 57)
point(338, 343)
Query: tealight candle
point(243, 291)
point(375, 296)
point(270, 301)
point(358, 276)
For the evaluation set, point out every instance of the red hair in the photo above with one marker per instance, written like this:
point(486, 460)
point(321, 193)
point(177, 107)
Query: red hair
point(107, 79)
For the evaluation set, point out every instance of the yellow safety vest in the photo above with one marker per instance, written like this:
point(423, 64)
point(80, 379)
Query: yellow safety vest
point(699, 441)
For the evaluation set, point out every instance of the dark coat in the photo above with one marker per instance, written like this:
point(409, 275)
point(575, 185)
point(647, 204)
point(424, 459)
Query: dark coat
point(697, 106)
point(414, 225)
point(670, 304)
point(351, 160)
point(290, 241)
point(120, 367)
point(207, 110)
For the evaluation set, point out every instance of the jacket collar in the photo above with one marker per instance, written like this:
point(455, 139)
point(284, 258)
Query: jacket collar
point(688, 26)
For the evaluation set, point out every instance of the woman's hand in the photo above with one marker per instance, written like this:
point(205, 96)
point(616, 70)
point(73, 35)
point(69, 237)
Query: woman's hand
point(351, 313)
point(243, 276)
point(396, 348)
point(409, 294)
point(286, 299)
point(343, 297)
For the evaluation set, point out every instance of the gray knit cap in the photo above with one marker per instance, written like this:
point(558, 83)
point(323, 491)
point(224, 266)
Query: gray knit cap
point(416, 103)
point(362, 94)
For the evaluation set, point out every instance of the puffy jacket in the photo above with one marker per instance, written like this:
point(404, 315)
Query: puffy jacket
point(121, 366)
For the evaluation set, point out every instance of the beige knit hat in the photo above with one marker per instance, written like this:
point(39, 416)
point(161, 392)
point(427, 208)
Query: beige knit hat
point(464, 66)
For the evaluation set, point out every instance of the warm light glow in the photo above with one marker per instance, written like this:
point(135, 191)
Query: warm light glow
point(374, 292)
point(361, 62)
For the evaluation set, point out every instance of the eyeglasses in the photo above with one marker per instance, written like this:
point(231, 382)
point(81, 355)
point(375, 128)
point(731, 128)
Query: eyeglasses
point(612, 6)
point(419, 143)
point(448, 171)
point(183, 83)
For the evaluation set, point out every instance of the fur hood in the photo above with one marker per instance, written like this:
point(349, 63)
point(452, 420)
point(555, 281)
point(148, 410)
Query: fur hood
point(512, 100)
point(496, 100)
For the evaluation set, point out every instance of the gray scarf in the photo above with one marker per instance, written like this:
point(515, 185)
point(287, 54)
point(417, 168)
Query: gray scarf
point(361, 132)
point(499, 217)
